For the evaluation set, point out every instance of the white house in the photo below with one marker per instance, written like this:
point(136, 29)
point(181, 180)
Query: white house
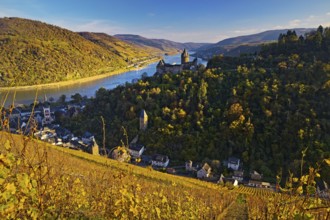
point(204, 172)
point(47, 117)
point(136, 150)
point(160, 160)
point(233, 163)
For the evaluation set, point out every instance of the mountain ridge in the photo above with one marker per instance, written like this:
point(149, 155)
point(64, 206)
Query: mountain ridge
point(235, 46)
point(161, 44)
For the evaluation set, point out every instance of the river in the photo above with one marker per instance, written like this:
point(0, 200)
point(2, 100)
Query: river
point(87, 88)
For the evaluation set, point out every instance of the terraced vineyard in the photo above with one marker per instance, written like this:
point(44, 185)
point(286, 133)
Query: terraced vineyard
point(254, 191)
point(266, 204)
point(40, 181)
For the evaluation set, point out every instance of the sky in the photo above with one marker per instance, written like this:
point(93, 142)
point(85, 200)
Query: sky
point(177, 20)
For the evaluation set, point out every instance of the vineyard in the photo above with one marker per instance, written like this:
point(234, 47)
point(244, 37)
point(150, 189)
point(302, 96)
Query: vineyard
point(267, 204)
point(40, 181)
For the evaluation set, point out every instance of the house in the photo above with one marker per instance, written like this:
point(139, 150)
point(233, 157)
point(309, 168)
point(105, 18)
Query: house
point(47, 116)
point(255, 175)
point(233, 163)
point(259, 184)
point(160, 160)
point(254, 183)
point(238, 175)
point(136, 150)
point(188, 165)
point(204, 172)
point(87, 138)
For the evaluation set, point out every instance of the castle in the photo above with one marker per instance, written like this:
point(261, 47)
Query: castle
point(163, 67)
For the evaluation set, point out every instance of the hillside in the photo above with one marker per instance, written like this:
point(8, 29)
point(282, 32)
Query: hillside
point(264, 110)
point(244, 44)
point(164, 46)
point(35, 53)
point(41, 181)
point(127, 51)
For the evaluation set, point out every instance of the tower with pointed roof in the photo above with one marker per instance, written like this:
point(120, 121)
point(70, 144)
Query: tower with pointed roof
point(143, 120)
point(184, 57)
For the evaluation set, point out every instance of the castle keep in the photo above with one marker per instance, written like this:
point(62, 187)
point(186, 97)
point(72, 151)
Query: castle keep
point(163, 67)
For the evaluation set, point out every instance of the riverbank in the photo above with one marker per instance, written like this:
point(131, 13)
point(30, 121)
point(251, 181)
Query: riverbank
point(136, 66)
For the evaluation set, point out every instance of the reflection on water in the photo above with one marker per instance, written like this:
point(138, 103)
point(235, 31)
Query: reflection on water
point(85, 88)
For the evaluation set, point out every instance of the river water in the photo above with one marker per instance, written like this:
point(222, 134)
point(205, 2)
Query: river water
point(86, 88)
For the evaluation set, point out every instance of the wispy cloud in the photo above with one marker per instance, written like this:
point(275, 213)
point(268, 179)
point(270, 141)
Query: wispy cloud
point(103, 26)
point(245, 31)
point(307, 22)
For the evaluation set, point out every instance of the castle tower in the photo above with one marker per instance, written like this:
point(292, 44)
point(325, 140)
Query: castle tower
point(143, 120)
point(184, 57)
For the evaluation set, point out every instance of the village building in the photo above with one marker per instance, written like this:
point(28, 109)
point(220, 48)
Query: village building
point(238, 175)
point(204, 172)
point(163, 67)
point(87, 138)
point(136, 150)
point(160, 160)
point(189, 166)
point(47, 116)
point(233, 163)
point(255, 175)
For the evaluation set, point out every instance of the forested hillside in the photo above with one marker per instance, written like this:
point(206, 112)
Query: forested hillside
point(160, 45)
point(35, 53)
point(247, 44)
point(264, 109)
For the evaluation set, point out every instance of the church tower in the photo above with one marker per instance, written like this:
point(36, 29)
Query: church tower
point(184, 57)
point(143, 120)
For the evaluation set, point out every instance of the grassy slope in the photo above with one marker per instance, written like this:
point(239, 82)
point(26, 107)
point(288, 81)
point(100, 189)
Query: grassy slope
point(42, 181)
point(110, 189)
point(35, 53)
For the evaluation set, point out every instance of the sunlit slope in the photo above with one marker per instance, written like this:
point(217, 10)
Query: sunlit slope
point(70, 184)
point(34, 52)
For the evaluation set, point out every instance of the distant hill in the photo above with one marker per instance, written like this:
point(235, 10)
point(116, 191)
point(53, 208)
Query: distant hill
point(33, 52)
point(162, 45)
point(126, 50)
point(244, 44)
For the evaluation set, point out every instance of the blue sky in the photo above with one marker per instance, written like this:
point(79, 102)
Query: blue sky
point(177, 20)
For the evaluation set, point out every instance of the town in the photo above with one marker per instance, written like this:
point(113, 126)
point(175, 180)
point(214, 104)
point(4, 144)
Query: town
point(40, 122)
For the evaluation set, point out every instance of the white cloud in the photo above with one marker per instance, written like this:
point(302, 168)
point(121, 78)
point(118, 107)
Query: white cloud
point(245, 31)
point(311, 21)
point(294, 23)
point(150, 14)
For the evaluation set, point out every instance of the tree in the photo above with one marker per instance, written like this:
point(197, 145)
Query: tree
point(76, 98)
point(62, 99)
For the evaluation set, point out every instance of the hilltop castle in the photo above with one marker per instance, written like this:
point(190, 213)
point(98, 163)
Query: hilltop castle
point(163, 67)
